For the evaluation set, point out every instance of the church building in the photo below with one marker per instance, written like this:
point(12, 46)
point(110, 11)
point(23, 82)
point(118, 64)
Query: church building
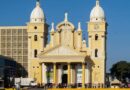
point(67, 58)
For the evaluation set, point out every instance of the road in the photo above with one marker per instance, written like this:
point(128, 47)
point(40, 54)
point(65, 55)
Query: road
point(35, 89)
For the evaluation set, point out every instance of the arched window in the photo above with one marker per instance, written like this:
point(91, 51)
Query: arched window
point(35, 37)
point(96, 52)
point(35, 53)
point(96, 37)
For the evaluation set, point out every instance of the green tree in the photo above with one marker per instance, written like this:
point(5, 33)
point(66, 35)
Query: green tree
point(121, 70)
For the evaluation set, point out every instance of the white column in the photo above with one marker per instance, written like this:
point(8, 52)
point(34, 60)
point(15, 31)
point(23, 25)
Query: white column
point(44, 77)
point(59, 74)
point(79, 73)
point(87, 73)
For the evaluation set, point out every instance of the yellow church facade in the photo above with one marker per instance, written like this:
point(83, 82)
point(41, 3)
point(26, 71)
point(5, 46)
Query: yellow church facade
point(67, 58)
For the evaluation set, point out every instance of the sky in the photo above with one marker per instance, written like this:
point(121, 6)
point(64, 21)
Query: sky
point(17, 13)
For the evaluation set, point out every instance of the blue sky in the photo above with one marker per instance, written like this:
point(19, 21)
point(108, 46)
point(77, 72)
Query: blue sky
point(17, 12)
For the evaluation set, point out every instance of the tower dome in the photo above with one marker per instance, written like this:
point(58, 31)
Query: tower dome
point(97, 13)
point(37, 15)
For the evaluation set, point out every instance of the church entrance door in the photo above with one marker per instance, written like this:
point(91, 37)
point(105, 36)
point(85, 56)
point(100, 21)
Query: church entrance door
point(64, 76)
point(64, 79)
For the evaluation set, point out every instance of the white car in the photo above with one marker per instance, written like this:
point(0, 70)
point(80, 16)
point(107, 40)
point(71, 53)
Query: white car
point(33, 84)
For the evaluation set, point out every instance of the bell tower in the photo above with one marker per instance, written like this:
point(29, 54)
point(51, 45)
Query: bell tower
point(97, 43)
point(37, 40)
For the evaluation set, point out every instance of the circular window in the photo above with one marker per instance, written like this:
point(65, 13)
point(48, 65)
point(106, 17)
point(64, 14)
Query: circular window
point(35, 27)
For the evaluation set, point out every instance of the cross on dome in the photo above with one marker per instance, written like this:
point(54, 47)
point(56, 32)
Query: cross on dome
point(97, 2)
point(38, 3)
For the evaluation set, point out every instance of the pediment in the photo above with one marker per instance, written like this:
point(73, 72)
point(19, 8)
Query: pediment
point(61, 51)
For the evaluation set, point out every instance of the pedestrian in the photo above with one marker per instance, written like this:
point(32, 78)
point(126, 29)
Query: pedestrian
point(17, 86)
